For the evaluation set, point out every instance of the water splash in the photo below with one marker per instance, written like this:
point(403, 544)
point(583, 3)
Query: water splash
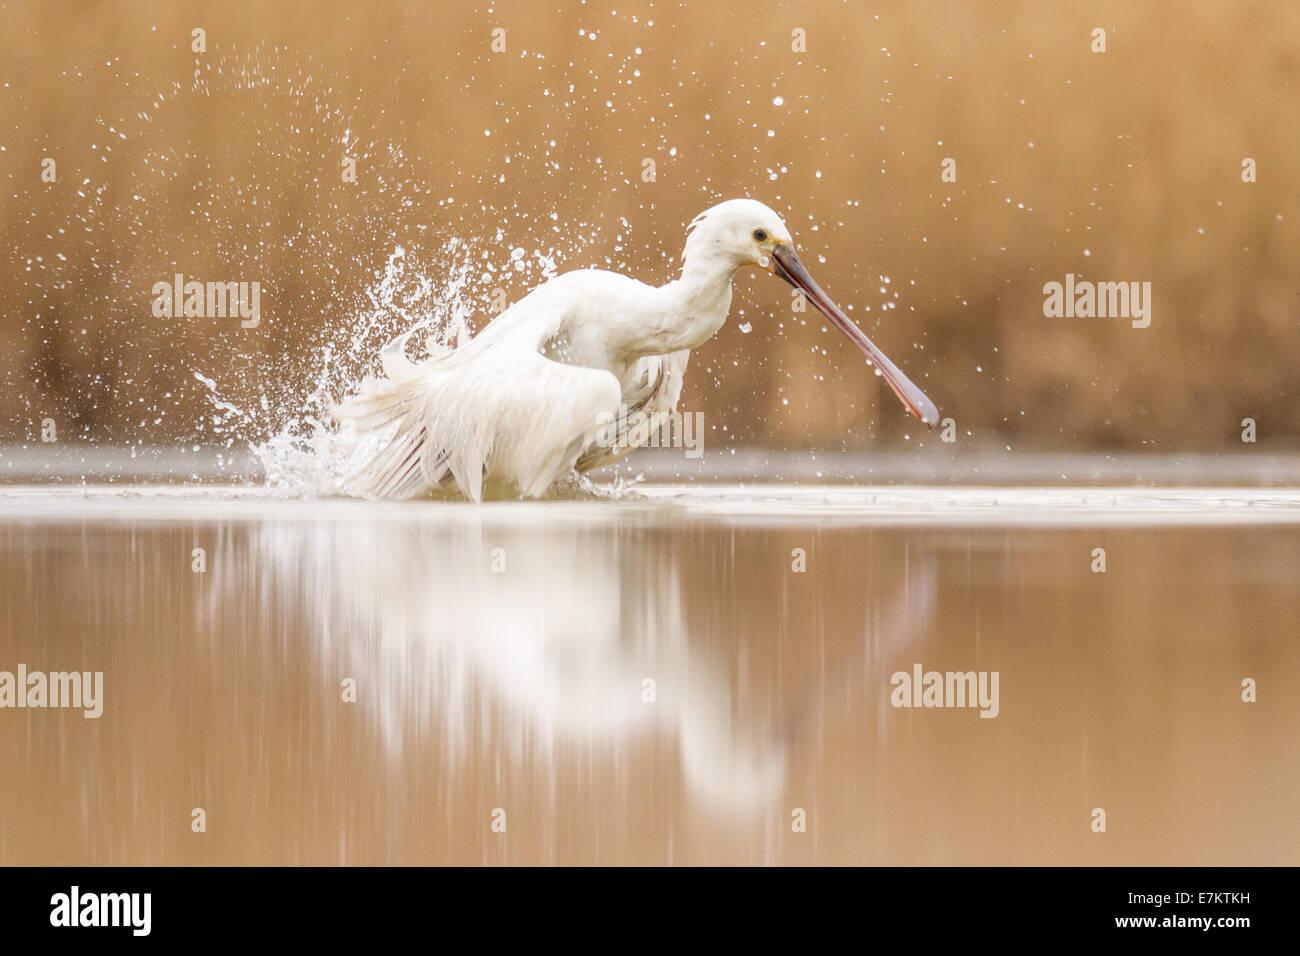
point(232, 173)
point(228, 169)
point(307, 452)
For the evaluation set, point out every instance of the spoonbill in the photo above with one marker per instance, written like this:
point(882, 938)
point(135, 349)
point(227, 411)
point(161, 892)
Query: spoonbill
point(525, 400)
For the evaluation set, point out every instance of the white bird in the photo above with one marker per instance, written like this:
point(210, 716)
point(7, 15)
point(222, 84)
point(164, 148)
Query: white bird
point(529, 399)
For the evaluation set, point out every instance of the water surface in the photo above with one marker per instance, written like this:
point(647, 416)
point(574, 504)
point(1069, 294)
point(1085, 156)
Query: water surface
point(501, 656)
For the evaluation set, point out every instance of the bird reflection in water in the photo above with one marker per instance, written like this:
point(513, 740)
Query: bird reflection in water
point(556, 637)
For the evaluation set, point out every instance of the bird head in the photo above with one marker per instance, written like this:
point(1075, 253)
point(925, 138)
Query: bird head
point(739, 231)
point(745, 232)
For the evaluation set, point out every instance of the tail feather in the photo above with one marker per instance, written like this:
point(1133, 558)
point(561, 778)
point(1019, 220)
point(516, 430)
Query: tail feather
point(400, 470)
point(396, 458)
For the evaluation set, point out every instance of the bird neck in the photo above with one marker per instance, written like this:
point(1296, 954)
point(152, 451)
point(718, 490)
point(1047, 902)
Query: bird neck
point(692, 307)
point(707, 270)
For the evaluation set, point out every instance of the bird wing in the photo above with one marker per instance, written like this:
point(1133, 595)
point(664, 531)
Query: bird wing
point(494, 405)
point(656, 387)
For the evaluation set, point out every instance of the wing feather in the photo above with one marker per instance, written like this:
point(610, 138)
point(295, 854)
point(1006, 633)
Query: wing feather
point(654, 393)
point(495, 405)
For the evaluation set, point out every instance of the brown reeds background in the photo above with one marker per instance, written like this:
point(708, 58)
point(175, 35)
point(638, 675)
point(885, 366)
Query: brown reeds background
point(1123, 165)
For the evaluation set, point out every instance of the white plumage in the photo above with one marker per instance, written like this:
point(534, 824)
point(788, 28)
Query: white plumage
point(525, 399)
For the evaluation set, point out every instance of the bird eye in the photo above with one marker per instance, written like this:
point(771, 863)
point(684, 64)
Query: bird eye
point(760, 235)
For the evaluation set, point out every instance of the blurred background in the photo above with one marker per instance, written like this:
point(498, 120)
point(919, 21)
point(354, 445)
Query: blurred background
point(480, 172)
point(489, 170)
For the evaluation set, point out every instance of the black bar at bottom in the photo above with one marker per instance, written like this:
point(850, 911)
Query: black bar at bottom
point(331, 906)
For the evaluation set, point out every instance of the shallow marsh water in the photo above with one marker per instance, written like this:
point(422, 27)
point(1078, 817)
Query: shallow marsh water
point(500, 656)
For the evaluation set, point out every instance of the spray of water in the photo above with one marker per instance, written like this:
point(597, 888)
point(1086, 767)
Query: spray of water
point(307, 454)
point(344, 267)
